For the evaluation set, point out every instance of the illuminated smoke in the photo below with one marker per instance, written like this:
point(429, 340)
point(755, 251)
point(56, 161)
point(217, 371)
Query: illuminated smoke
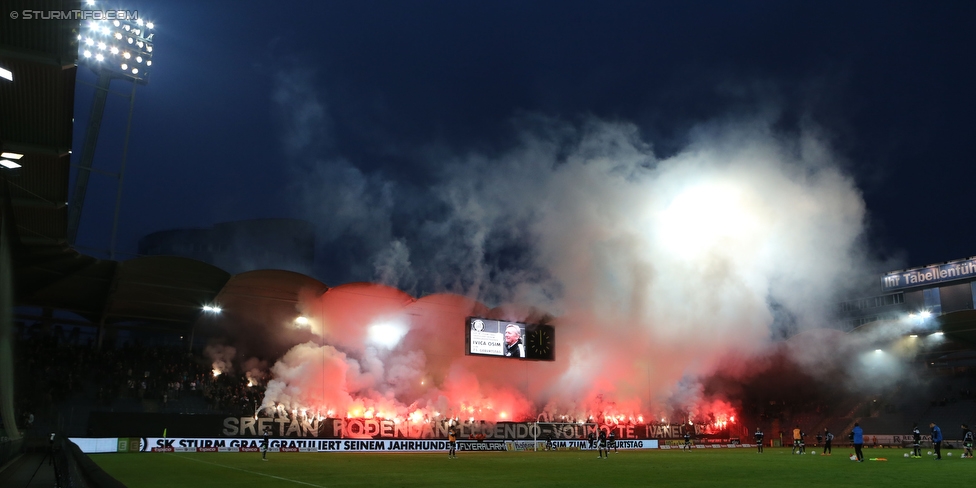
point(222, 357)
point(659, 271)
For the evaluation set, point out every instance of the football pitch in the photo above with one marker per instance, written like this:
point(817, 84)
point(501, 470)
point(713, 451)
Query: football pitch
point(700, 467)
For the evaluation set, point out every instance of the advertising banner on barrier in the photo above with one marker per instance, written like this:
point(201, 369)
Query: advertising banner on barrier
point(217, 444)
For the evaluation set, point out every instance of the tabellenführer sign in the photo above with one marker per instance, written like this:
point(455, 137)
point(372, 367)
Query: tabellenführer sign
point(927, 275)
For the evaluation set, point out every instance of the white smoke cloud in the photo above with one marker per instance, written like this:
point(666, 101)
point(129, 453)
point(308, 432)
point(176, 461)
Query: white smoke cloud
point(658, 268)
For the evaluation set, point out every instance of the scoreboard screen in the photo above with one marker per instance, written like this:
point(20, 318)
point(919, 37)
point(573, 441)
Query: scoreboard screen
point(501, 338)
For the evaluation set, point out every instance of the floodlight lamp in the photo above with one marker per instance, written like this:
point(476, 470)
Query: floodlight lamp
point(7, 74)
point(102, 46)
point(126, 55)
point(126, 27)
point(6, 163)
point(114, 50)
point(89, 41)
point(150, 25)
point(91, 2)
point(139, 21)
point(301, 320)
point(913, 336)
point(139, 43)
point(116, 23)
point(87, 53)
point(125, 67)
point(938, 333)
point(925, 314)
point(135, 71)
point(99, 57)
point(149, 48)
point(877, 351)
point(118, 35)
point(148, 62)
point(130, 40)
point(105, 31)
point(138, 59)
point(11, 155)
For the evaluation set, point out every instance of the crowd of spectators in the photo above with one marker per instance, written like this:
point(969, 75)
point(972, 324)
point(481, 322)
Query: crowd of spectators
point(51, 368)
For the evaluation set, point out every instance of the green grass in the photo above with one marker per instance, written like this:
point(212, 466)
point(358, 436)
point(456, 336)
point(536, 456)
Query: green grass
point(725, 467)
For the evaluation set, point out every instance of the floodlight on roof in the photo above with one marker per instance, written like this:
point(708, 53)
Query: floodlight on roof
point(11, 155)
point(925, 314)
point(150, 25)
point(99, 57)
point(6, 74)
point(6, 163)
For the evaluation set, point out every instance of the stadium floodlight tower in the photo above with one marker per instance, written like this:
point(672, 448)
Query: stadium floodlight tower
point(119, 48)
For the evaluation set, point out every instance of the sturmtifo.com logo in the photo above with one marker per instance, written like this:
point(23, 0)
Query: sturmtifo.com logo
point(28, 14)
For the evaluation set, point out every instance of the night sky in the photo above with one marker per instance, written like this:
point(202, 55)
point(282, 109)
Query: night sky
point(247, 99)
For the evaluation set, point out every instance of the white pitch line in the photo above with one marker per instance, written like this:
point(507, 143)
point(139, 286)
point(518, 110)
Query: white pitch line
point(246, 471)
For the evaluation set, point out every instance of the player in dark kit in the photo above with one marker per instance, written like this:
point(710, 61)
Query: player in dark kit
point(265, 443)
point(602, 446)
point(549, 442)
point(967, 441)
point(452, 443)
point(916, 442)
point(759, 439)
point(612, 442)
point(592, 439)
point(819, 440)
point(687, 441)
point(828, 438)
